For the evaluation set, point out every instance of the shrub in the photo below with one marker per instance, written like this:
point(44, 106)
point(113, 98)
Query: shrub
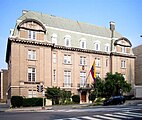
point(27, 102)
point(92, 97)
point(76, 98)
point(17, 101)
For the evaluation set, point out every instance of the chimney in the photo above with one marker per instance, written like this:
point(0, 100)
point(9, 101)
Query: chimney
point(112, 28)
point(24, 12)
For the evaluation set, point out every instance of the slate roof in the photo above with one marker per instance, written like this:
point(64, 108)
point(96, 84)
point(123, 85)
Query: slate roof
point(67, 24)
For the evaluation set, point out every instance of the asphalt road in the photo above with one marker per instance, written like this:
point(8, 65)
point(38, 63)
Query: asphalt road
point(133, 112)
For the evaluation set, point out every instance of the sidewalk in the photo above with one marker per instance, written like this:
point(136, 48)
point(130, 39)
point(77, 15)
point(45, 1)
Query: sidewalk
point(65, 107)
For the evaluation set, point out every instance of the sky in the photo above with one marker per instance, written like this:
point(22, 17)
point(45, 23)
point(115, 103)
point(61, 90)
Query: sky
point(127, 15)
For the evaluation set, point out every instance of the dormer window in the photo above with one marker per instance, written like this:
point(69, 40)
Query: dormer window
point(67, 40)
point(107, 48)
point(54, 38)
point(31, 34)
point(97, 45)
point(123, 49)
point(83, 43)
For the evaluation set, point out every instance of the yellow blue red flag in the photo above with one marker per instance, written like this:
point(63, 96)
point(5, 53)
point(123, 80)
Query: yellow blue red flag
point(93, 71)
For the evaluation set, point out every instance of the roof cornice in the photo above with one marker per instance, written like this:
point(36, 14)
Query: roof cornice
point(53, 46)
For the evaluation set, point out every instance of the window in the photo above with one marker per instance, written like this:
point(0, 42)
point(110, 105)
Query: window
point(31, 54)
point(107, 62)
point(67, 78)
point(54, 75)
point(98, 62)
point(124, 76)
point(31, 93)
point(107, 48)
point(82, 60)
point(123, 64)
point(54, 38)
point(82, 78)
point(32, 34)
point(54, 57)
point(67, 59)
point(97, 45)
point(31, 74)
point(98, 74)
point(67, 40)
point(83, 44)
point(123, 49)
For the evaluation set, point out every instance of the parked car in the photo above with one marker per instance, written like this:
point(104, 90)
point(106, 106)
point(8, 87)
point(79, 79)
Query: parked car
point(115, 100)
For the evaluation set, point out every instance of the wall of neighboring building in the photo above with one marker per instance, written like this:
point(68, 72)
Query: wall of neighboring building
point(4, 85)
point(138, 63)
point(138, 71)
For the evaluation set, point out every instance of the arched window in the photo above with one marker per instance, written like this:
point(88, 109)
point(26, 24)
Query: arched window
point(67, 39)
point(54, 38)
point(97, 45)
point(107, 47)
point(83, 43)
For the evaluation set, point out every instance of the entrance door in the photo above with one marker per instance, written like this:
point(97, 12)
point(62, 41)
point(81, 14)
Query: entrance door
point(83, 96)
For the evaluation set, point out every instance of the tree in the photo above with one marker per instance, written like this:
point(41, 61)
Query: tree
point(65, 96)
point(98, 87)
point(57, 95)
point(115, 84)
point(54, 94)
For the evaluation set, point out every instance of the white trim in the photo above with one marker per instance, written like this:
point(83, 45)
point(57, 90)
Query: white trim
point(80, 33)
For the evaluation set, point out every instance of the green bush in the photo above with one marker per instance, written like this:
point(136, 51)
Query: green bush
point(92, 97)
point(27, 102)
point(76, 98)
point(16, 101)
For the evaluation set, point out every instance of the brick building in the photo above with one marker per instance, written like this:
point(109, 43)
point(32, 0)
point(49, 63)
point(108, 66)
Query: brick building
point(54, 51)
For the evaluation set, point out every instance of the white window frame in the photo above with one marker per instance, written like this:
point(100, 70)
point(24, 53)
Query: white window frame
point(107, 47)
point(31, 34)
point(98, 74)
point(83, 43)
point(31, 74)
point(124, 75)
point(54, 38)
point(54, 76)
point(32, 54)
point(97, 45)
point(54, 57)
point(98, 62)
point(67, 59)
point(82, 60)
point(31, 93)
point(123, 63)
point(67, 39)
point(67, 78)
point(123, 49)
point(107, 62)
point(82, 78)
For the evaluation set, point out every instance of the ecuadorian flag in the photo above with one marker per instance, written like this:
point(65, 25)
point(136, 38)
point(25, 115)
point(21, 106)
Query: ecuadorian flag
point(93, 71)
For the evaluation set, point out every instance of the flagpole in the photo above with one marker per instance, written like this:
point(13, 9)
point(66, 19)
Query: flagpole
point(86, 79)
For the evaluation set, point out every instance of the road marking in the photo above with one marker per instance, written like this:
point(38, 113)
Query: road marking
point(106, 117)
point(118, 116)
point(113, 116)
point(134, 113)
point(90, 118)
point(74, 119)
point(128, 114)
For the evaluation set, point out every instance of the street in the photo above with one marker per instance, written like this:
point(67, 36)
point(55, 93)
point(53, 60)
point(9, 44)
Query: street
point(118, 112)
